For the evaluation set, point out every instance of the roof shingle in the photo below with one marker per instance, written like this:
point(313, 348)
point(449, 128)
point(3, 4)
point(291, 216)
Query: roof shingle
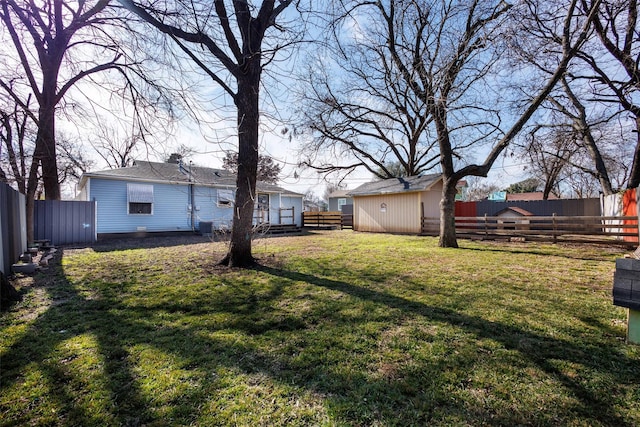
point(176, 173)
point(397, 185)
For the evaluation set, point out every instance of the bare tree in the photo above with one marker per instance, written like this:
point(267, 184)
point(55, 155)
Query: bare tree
point(479, 189)
point(15, 146)
point(549, 151)
point(50, 48)
point(117, 150)
point(592, 106)
point(572, 101)
point(356, 103)
point(17, 141)
point(231, 42)
point(577, 113)
point(54, 29)
point(442, 53)
point(72, 160)
point(614, 63)
point(477, 34)
point(268, 169)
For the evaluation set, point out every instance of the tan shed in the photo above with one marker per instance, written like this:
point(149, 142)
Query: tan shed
point(396, 205)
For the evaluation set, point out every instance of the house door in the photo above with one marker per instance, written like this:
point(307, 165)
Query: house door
point(262, 209)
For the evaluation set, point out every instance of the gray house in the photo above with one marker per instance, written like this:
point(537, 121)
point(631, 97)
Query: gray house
point(160, 197)
point(338, 199)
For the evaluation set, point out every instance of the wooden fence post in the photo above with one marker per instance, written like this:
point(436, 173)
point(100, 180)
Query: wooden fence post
point(486, 229)
point(555, 228)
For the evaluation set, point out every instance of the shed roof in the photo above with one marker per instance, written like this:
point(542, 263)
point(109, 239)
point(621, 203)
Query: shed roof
point(397, 185)
point(519, 211)
point(177, 173)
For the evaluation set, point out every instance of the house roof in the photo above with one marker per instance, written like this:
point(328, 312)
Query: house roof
point(176, 173)
point(537, 195)
point(397, 185)
point(339, 193)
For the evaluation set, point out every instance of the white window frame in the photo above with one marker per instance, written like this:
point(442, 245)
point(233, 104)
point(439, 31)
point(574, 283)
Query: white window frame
point(140, 194)
point(225, 198)
point(341, 202)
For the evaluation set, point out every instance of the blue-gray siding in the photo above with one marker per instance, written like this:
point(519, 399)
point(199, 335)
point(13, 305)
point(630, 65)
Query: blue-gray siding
point(170, 213)
point(295, 202)
point(207, 208)
point(171, 208)
point(333, 203)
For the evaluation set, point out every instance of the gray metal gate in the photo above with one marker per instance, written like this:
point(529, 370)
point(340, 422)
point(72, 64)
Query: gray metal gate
point(65, 222)
point(13, 228)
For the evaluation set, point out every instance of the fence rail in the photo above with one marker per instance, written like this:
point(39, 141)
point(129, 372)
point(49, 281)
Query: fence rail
point(594, 229)
point(327, 220)
point(287, 215)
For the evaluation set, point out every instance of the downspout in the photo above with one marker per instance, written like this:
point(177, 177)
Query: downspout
point(192, 199)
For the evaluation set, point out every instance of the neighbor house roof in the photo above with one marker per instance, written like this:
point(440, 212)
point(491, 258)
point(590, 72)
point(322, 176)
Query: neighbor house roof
point(537, 195)
point(397, 185)
point(339, 193)
point(177, 173)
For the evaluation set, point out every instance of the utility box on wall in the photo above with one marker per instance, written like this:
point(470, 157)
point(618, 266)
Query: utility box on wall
point(206, 228)
point(626, 293)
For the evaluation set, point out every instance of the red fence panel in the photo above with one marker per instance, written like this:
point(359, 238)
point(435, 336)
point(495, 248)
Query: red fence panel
point(630, 208)
point(466, 209)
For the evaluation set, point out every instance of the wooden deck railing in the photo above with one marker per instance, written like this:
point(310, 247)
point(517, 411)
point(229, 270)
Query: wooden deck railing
point(327, 220)
point(594, 229)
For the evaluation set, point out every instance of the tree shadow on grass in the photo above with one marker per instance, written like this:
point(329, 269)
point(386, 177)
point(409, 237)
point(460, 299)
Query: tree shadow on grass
point(540, 350)
point(417, 394)
point(167, 240)
point(597, 252)
point(69, 315)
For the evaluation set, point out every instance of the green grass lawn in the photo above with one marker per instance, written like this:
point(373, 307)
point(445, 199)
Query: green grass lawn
point(334, 329)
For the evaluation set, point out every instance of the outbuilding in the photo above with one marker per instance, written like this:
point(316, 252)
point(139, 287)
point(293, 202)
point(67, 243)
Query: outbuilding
point(512, 215)
point(396, 205)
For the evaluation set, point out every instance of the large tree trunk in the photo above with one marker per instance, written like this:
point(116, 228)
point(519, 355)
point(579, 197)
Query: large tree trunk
point(448, 237)
point(241, 232)
point(46, 140)
point(32, 187)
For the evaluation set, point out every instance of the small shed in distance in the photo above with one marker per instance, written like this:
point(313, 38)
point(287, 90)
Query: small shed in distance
point(508, 217)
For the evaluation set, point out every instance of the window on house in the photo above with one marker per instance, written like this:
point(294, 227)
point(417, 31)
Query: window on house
point(341, 202)
point(140, 199)
point(225, 198)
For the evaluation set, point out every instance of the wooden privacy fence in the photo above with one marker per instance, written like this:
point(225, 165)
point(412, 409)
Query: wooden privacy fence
point(590, 229)
point(327, 220)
